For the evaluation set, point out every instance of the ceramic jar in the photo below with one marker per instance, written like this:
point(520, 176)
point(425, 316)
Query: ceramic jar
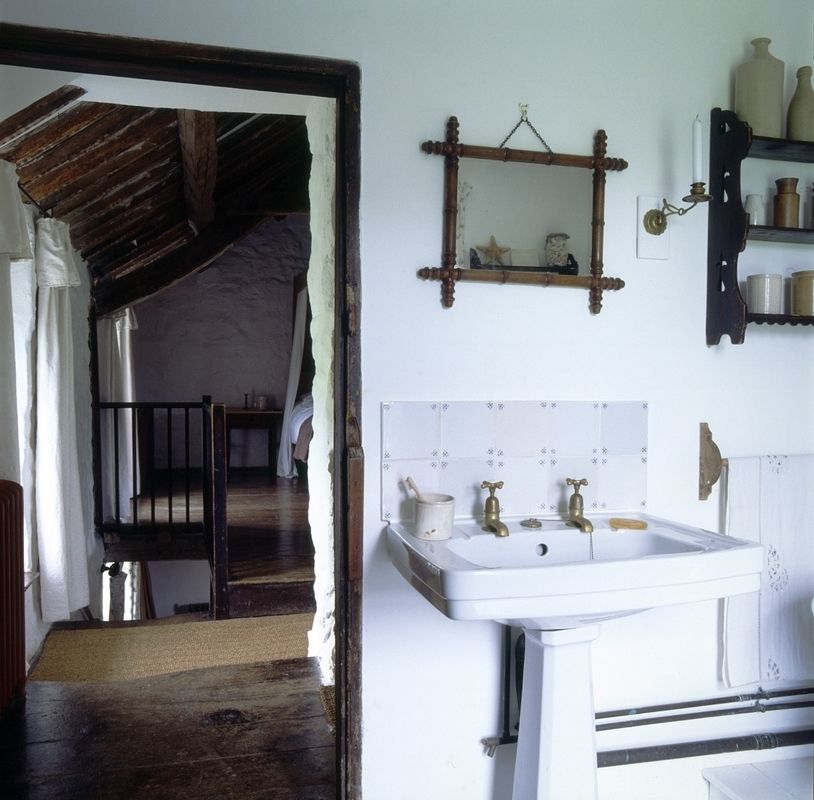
point(802, 293)
point(759, 91)
point(800, 118)
point(786, 204)
point(764, 293)
point(754, 208)
point(556, 249)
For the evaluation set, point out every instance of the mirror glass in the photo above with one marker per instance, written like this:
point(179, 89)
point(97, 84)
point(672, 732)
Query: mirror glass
point(520, 205)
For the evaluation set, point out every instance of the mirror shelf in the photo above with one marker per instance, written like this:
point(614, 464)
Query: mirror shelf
point(451, 271)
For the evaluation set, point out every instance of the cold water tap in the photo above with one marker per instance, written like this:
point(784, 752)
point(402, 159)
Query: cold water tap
point(576, 505)
point(491, 510)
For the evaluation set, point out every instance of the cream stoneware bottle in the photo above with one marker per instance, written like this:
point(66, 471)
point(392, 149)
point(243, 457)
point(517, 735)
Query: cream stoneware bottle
point(800, 119)
point(759, 91)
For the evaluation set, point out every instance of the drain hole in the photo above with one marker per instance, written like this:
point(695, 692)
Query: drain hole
point(542, 549)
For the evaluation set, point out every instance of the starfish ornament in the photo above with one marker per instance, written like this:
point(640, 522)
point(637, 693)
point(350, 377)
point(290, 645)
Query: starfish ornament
point(493, 252)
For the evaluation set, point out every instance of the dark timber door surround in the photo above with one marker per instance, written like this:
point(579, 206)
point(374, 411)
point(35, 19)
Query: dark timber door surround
point(70, 51)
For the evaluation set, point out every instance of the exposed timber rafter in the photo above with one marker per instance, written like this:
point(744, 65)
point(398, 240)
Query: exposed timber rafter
point(218, 237)
point(197, 134)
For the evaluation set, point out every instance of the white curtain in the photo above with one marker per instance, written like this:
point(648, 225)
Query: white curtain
point(24, 304)
point(285, 459)
point(117, 384)
point(62, 526)
point(13, 244)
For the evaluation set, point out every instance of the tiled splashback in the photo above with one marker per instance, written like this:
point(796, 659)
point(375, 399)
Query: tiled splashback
point(532, 446)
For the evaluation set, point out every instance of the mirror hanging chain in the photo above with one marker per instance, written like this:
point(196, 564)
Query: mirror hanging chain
point(524, 118)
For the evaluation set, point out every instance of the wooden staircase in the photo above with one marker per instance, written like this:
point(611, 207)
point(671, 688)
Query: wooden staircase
point(271, 555)
point(250, 525)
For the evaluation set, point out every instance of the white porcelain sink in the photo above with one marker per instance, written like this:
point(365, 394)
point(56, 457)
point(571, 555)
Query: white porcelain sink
point(557, 583)
point(557, 577)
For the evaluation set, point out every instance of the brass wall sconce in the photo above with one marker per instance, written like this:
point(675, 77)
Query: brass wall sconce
point(655, 220)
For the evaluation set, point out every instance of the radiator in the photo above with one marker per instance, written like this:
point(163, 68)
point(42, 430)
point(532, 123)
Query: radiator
point(12, 614)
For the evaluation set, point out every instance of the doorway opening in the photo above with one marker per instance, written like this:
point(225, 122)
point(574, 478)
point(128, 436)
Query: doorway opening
point(302, 77)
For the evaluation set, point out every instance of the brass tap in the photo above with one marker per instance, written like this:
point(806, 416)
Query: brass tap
point(491, 510)
point(576, 505)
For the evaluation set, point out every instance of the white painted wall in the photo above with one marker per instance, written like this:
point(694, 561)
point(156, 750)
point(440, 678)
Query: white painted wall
point(225, 332)
point(641, 70)
point(178, 583)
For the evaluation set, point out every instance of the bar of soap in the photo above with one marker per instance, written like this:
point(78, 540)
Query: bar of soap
point(618, 523)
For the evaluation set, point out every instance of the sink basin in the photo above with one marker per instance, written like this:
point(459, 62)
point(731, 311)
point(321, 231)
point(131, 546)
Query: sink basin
point(558, 583)
point(557, 577)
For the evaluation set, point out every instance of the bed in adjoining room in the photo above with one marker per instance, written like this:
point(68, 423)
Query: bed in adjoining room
point(301, 431)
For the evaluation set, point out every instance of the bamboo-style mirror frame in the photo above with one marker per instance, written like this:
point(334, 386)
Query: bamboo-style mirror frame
point(449, 273)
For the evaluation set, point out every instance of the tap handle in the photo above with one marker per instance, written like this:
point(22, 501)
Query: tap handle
point(576, 483)
point(492, 486)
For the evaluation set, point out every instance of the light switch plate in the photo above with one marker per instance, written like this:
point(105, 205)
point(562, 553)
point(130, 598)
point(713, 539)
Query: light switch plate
point(648, 245)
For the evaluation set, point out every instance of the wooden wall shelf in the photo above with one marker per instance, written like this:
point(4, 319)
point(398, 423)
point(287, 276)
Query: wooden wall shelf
point(779, 319)
point(767, 233)
point(731, 142)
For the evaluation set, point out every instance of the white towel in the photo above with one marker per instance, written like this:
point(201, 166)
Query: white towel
point(57, 261)
point(770, 636)
point(13, 230)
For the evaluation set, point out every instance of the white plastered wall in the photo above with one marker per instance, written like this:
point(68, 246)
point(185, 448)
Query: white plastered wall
point(641, 70)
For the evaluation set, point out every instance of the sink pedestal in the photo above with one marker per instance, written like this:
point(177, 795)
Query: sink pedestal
point(556, 748)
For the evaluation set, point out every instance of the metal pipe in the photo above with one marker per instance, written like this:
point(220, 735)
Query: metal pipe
point(761, 694)
point(507, 666)
point(704, 747)
point(667, 752)
point(718, 712)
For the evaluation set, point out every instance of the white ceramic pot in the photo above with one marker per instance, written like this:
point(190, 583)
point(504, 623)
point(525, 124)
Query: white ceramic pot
point(434, 514)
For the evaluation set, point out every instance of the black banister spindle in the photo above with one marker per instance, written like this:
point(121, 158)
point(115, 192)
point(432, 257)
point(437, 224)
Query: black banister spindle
point(116, 491)
point(134, 456)
point(186, 460)
point(169, 465)
point(142, 454)
point(151, 460)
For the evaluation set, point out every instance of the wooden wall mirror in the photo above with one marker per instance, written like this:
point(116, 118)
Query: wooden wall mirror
point(557, 201)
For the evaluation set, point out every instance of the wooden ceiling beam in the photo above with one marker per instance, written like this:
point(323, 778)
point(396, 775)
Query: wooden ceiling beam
point(284, 168)
point(79, 146)
point(162, 244)
point(114, 152)
point(158, 212)
point(31, 117)
point(60, 134)
point(161, 157)
point(123, 200)
point(110, 296)
point(199, 162)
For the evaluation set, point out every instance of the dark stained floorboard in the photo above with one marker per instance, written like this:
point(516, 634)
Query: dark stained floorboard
point(251, 731)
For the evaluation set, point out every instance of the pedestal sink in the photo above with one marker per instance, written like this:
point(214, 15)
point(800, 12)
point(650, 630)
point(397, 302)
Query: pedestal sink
point(558, 584)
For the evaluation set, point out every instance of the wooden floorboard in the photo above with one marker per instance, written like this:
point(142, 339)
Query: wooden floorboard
point(269, 536)
point(250, 731)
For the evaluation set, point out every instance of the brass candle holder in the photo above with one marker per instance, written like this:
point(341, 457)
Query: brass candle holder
point(655, 220)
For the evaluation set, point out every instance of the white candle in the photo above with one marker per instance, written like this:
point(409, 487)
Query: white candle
point(697, 168)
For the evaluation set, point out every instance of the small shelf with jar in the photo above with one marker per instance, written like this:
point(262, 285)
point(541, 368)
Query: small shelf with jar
point(731, 142)
point(779, 319)
point(768, 233)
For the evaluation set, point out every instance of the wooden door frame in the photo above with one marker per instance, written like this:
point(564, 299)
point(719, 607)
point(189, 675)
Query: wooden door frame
point(74, 51)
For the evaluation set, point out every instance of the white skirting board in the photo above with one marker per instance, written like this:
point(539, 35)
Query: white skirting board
point(790, 779)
